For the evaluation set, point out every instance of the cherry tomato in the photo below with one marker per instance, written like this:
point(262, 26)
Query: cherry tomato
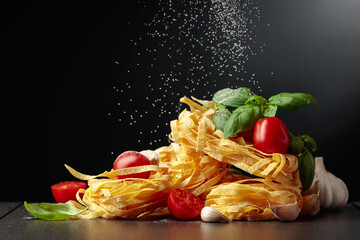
point(65, 191)
point(271, 135)
point(131, 159)
point(184, 205)
point(247, 135)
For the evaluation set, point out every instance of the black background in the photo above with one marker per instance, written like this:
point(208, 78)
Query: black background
point(63, 63)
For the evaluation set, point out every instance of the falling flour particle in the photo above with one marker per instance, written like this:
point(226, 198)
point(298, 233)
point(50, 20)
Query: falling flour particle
point(204, 44)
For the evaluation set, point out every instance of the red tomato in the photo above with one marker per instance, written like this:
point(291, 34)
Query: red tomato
point(131, 159)
point(65, 191)
point(184, 205)
point(271, 135)
point(247, 135)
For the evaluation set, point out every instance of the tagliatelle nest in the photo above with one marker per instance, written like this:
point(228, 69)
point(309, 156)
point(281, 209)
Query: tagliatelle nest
point(197, 160)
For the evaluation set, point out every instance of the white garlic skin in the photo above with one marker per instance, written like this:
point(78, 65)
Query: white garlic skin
point(288, 212)
point(332, 190)
point(209, 214)
point(152, 156)
point(311, 204)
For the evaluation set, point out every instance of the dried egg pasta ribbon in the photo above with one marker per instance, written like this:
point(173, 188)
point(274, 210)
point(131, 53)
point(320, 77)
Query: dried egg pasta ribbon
point(201, 138)
point(209, 104)
point(193, 104)
point(113, 173)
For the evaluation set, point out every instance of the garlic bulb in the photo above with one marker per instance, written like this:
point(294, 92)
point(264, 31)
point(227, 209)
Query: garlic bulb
point(332, 190)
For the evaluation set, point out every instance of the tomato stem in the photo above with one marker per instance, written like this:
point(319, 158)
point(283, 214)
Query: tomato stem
point(292, 135)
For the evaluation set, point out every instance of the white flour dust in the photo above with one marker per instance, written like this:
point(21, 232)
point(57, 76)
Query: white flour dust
point(189, 47)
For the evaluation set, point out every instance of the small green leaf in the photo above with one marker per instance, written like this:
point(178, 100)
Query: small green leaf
point(232, 97)
point(239, 171)
point(306, 169)
point(241, 119)
point(220, 106)
point(309, 142)
point(220, 118)
point(292, 101)
point(208, 108)
point(270, 111)
point(52, 211)
point(296, 146)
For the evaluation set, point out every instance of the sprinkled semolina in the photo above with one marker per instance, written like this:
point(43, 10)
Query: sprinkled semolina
point(203, 44)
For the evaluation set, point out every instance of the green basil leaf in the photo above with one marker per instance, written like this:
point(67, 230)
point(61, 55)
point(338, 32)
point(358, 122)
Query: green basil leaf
point(220, 106)
point(232, 97)
point(241, 119)
point(292, 101)
point(257, 100)
point(306, 169)
point(220, 118)
point(52, 211)
point(309, 142)
point(296, 146)
point(270, 111)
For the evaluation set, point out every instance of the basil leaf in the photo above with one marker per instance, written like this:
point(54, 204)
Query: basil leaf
point(306, 169)
point(220, 106)
point(232, 97)
point(241, 119)
point(296, 146)
point(220, 118)
point(257, 99)
point(292, 101)
point(270, 111)
point(309, 142)
point(52, 211)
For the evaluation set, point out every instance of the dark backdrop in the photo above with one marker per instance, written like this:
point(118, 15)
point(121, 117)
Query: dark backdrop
point(82, 82)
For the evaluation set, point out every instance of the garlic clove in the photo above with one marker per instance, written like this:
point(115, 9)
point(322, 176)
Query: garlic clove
point(311, 204)
point(288, 212)
point(209, 214)
point(335, 196)
point(346, 193)
point(152, 156)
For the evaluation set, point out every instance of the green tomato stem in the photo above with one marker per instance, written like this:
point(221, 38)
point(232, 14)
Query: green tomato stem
point(292, 135)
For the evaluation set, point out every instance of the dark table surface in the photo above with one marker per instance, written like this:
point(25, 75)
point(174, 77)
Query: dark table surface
point(343, 223)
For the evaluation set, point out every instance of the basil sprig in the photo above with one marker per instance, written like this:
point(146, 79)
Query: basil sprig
point(237, 110)
point(52, 211)
point(246, 108)
point(302, 146)
point(299, 143)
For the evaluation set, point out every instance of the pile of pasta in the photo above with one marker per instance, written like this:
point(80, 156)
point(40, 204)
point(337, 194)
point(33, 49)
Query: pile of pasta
point(198, 159)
